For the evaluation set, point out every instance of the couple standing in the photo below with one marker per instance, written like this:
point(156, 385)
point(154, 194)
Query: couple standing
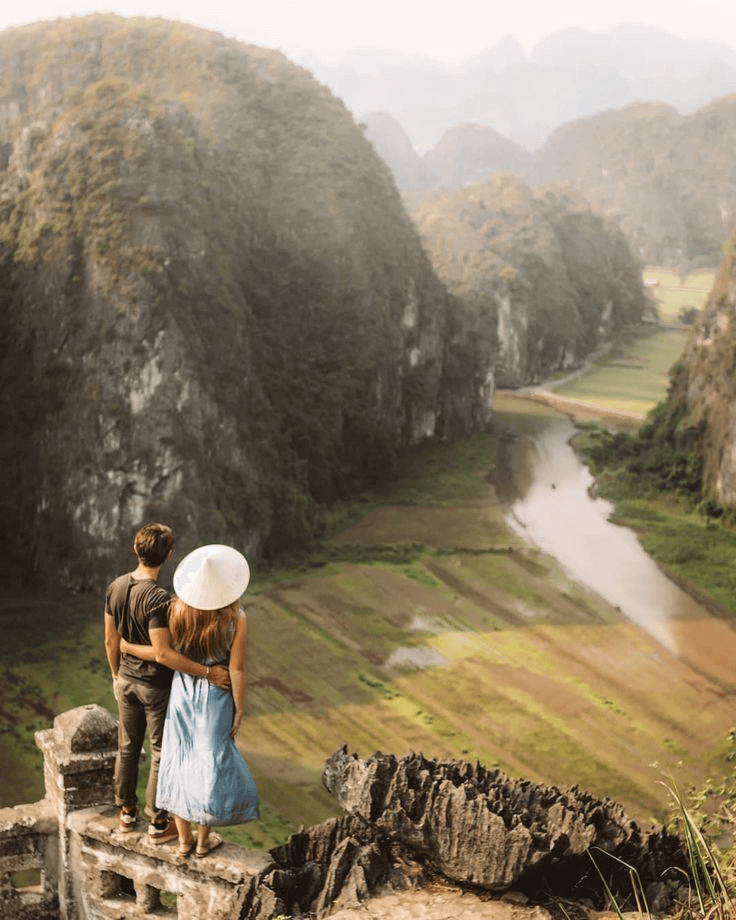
point(178, 667)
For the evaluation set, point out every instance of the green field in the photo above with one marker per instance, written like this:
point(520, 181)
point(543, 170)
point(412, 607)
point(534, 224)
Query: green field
point(672, 294)
point(634, 376)
point(426, 625)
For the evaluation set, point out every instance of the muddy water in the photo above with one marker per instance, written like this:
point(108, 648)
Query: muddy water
point(556, 511)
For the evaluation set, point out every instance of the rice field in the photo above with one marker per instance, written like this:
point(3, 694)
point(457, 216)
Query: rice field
point(634, 376)
point(672, 294)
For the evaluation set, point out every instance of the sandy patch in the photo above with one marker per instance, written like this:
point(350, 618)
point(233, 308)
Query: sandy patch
point(438, 904)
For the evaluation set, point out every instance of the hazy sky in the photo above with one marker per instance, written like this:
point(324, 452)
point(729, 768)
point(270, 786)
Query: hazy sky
point(449, 30)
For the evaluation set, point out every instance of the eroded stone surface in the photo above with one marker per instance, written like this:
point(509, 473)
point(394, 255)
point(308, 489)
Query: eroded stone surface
point(412, 821)
point(479, 827)
point(87, 728)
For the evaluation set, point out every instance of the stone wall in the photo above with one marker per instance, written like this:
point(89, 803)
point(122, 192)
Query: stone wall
point(29, 862)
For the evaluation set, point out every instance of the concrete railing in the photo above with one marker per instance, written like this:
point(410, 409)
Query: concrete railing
point(29, 862)
point(65, 858)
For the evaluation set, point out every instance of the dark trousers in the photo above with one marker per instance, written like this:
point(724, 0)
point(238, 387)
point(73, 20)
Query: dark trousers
point(140, 707)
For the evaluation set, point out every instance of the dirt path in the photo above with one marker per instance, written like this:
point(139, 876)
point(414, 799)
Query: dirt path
point(552, 384)
point(576, 408)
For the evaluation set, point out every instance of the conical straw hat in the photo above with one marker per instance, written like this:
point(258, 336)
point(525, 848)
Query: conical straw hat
point(211, 577)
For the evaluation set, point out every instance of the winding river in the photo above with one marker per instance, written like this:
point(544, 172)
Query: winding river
point(556, 511)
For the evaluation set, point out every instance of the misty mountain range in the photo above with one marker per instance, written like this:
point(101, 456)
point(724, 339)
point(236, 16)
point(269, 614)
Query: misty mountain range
point(568, 75)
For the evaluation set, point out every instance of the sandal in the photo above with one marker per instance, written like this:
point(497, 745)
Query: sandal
point(185, 848)
point(213, 841)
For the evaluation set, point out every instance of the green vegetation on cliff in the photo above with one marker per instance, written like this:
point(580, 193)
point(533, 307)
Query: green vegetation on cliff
point(667, 178)
point(544, 274)
point(206, 264)
point(662, 455)
point(687, 446)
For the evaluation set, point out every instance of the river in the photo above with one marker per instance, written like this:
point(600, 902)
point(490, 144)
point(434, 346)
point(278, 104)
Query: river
point(556, 511)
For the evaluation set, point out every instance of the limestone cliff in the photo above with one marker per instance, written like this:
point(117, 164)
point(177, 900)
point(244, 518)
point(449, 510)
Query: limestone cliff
point(699, 415)
point(668, 178)
point(216, 311)
point(547, 278)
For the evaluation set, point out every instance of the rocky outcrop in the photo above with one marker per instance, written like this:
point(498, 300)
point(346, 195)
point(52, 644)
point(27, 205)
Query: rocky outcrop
point(547, 278)
point(479, 827)
point(216, 311)
point(411, 819)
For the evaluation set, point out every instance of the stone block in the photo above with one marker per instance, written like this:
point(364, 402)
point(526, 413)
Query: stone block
point(79, 758)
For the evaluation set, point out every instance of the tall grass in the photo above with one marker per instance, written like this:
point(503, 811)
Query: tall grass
point(706, 892)
point(636, 886)
point(710, 895)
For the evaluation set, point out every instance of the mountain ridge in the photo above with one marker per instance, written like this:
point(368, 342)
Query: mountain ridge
point(525, 96)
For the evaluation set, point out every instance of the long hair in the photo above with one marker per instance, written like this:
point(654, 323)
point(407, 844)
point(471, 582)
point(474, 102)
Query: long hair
point(202, 633)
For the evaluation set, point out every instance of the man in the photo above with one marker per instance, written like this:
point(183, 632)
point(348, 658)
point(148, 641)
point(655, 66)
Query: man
point(135, 607)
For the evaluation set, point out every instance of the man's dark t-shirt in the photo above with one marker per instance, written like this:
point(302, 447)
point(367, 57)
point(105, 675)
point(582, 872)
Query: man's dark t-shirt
point(137, 606)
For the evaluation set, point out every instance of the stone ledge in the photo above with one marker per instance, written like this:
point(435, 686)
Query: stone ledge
point(28, 820)
point(229, 862)
point(55, 748)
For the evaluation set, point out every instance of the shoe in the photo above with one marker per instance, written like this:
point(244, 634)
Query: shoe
point(128, 820)
point(185, 848)
point(162, 834)
point(211, 843)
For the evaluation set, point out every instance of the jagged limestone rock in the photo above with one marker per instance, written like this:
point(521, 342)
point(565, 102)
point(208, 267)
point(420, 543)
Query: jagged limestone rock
point(478, 826)
point(340, 862)
point(411, 820)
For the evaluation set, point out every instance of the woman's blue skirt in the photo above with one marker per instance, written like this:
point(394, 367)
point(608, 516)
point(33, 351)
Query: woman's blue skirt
point(202, 776)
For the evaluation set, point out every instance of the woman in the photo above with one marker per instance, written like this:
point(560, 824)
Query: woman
point(202, 776)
